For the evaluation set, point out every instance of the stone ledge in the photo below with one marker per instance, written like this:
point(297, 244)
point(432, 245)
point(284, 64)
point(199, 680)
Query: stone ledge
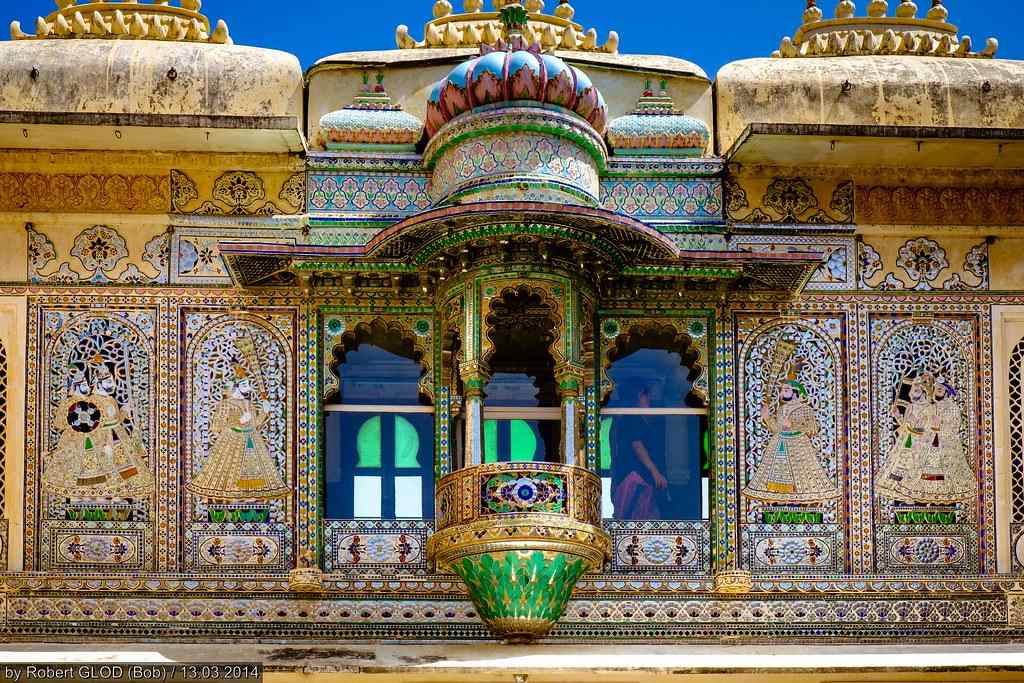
point(480, 663)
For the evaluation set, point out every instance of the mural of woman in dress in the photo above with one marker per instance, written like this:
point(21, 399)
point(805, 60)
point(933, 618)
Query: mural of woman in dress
point(97, 455)
point(240, 465)
point(790, 472)
point(927, 463)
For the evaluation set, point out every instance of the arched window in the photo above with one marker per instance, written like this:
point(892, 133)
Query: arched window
point(380, 429)
point(654, 457)
point(522, 418)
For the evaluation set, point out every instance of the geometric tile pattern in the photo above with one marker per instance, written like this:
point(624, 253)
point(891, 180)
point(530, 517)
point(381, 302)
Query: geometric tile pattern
point(682, 548)
point(384, 547)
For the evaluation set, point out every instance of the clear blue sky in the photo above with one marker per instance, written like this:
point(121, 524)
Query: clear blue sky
point(709, 33)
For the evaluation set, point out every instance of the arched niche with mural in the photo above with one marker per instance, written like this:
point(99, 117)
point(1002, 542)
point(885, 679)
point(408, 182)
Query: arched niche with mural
point(926, 445)
point(97, 441)
point(239, 465)
point(792, 444)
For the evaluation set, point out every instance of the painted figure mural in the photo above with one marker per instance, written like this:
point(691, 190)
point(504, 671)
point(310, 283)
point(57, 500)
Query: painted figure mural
point(927, 462)
point(97, 455)
point(240, 465)
point(790, 471)
point(99, 408)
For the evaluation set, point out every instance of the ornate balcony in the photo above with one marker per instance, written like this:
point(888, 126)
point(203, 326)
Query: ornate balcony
point(519, 535)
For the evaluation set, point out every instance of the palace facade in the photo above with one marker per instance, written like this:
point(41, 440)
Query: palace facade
point(508, 334)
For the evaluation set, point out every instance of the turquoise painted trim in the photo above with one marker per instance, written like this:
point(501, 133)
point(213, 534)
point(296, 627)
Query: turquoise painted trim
point(692, 228)
point(678, 152)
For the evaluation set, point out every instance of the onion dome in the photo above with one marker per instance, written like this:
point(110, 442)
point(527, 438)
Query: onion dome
point(655, 128)
point(371, 122)
point(513, 72)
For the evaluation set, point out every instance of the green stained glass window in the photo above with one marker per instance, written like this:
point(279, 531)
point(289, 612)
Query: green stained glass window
point(368, 444)
point(407, 444)
point(522, 441)
point(606, 443)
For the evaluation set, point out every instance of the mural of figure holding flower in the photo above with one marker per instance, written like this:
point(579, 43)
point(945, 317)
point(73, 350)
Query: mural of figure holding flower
point(927, 463)
point(790, 471)
point(240, 465)
point(98, 455)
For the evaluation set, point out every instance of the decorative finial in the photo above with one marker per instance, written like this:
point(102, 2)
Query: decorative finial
point(878, 8)
point(938, 12)
point(475, 27)
point(906, 34)
point(812, 13)
point(514, 19)
point(906, 10)
point(156, 20)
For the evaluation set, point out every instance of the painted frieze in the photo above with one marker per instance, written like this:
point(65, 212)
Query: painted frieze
point(789, 201)
point(84, 193)
point(96, 438)
point(940, 205)
point(679, 548)
point(239, 469)
point(792, 438)
point(924, 264)
point(238, 193)
point(664, 201)
point(99, 254)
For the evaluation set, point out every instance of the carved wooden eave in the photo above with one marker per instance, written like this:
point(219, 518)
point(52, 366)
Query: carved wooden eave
point(801, 144)
point(787, 274)
point(600, 244)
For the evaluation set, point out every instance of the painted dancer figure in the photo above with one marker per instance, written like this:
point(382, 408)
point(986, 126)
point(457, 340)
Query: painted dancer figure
point(928, 463)
point(789, 471)
point(97, 455)
point(240, 465)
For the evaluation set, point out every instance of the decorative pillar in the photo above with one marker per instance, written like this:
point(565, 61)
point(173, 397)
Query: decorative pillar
point(570, 380)
point(474, 380)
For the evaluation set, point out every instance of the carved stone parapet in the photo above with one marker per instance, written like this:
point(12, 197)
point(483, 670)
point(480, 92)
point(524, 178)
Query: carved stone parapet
point(519, 535)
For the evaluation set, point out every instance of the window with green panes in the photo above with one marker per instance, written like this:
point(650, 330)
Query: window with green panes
point(522, 421)
point(654, 440)
point(379, 438)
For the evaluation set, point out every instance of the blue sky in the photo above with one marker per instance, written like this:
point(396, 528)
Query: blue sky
point(709, 33)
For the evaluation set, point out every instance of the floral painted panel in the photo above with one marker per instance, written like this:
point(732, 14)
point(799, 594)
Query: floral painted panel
point(696, 200)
